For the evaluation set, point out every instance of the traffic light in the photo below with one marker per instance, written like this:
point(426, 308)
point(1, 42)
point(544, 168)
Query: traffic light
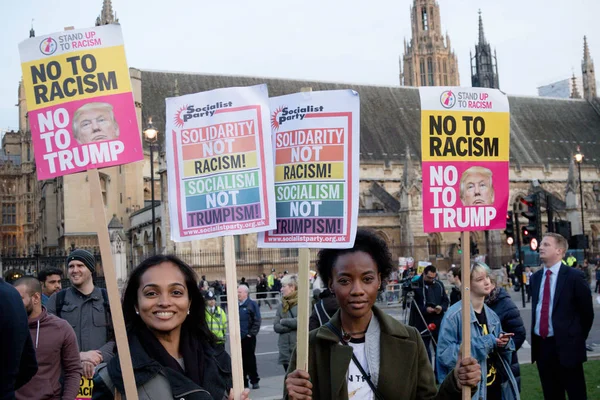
point(525, 235)
point(510, 228)
point(533, 229)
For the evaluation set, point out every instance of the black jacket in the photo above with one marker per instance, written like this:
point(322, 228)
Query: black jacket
point(17, 355)
point(455, 295)
point(572, 315)
point(435, 294)
point(261, 289)
point(511, 321)
point(323, 310)
point(216, 375)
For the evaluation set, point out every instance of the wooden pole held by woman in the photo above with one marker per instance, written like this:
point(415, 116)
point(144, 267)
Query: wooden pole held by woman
point(234, 317)
point(303, 300)
point(303, 309)
point(110, 276)
point(466, 302)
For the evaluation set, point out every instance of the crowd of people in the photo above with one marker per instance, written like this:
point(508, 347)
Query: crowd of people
point(55, 339)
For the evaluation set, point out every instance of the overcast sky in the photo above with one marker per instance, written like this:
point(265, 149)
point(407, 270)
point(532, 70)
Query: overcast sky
point(354, 41)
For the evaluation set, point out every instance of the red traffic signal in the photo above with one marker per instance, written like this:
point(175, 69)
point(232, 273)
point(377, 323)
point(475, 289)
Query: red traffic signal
point(529, 201)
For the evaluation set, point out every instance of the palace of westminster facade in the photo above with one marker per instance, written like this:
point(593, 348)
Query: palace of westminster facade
point(50, 217)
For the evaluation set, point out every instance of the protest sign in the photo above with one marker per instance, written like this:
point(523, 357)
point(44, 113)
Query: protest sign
point(421, 266)
point(219, 150)
point(79, 100)
point(316, 142)
point(465, 136)
point(85, 389)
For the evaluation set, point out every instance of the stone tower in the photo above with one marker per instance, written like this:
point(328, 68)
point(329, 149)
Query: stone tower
point(428, 60)
point(107, 16)
point(588, 74)
point(484, 66)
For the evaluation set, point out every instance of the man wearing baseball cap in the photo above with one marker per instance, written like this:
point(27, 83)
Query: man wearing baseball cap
point(87, 309)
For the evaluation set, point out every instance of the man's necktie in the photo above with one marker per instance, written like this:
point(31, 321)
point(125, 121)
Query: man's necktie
point(545, 313)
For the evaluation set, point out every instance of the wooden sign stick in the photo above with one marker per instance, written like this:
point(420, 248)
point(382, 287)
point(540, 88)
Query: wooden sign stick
point(235, 344)
point(466, 302)
point(303, 309)
point(111, 285)
point(303, 301)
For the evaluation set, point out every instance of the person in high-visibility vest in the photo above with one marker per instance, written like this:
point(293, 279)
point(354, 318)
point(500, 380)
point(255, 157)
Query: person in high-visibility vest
point(271, 279)
point(571, 260)
point(216, 319)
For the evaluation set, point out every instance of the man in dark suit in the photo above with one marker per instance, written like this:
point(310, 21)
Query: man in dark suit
point(562, 316)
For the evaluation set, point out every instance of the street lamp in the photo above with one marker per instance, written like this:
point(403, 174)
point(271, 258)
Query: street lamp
point(151, 134)
point(579, 159)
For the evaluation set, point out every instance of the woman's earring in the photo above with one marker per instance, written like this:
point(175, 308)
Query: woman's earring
point(137, 312)
point(188, 312)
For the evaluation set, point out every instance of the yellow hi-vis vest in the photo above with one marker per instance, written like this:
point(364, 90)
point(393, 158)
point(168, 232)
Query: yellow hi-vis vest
point(217, 323)
point(270, 281)
point(571, 261)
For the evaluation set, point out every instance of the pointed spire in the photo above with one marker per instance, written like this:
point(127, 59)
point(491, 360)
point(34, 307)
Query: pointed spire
point(574, 90)
point(588, 73)
point(31, 31)
point(107, 16)
point(481, 33)
point(586, 50)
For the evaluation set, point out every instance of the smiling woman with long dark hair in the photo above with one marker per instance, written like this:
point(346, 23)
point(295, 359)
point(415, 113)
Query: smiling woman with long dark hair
point(363, 352)
point(172, 349)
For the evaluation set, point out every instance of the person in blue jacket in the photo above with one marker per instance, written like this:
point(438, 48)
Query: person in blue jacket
point(490, 346)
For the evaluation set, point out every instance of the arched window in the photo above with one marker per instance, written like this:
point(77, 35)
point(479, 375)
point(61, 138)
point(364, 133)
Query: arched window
point(445, 74)
point(423, 81)
point(433, 245)
point(425, 19)
point(430, 71)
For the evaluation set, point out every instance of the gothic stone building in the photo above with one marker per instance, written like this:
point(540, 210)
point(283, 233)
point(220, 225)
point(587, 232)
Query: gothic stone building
point(544, 135)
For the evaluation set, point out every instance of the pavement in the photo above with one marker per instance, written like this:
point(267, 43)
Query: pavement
point(271, 388)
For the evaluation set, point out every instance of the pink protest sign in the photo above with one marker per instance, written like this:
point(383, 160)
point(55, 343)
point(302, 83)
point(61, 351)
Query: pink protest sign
point(81, 109)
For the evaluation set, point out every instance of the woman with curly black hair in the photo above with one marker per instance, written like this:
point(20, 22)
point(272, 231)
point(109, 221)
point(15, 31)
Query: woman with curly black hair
point(174, 353)
point(363, 352)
